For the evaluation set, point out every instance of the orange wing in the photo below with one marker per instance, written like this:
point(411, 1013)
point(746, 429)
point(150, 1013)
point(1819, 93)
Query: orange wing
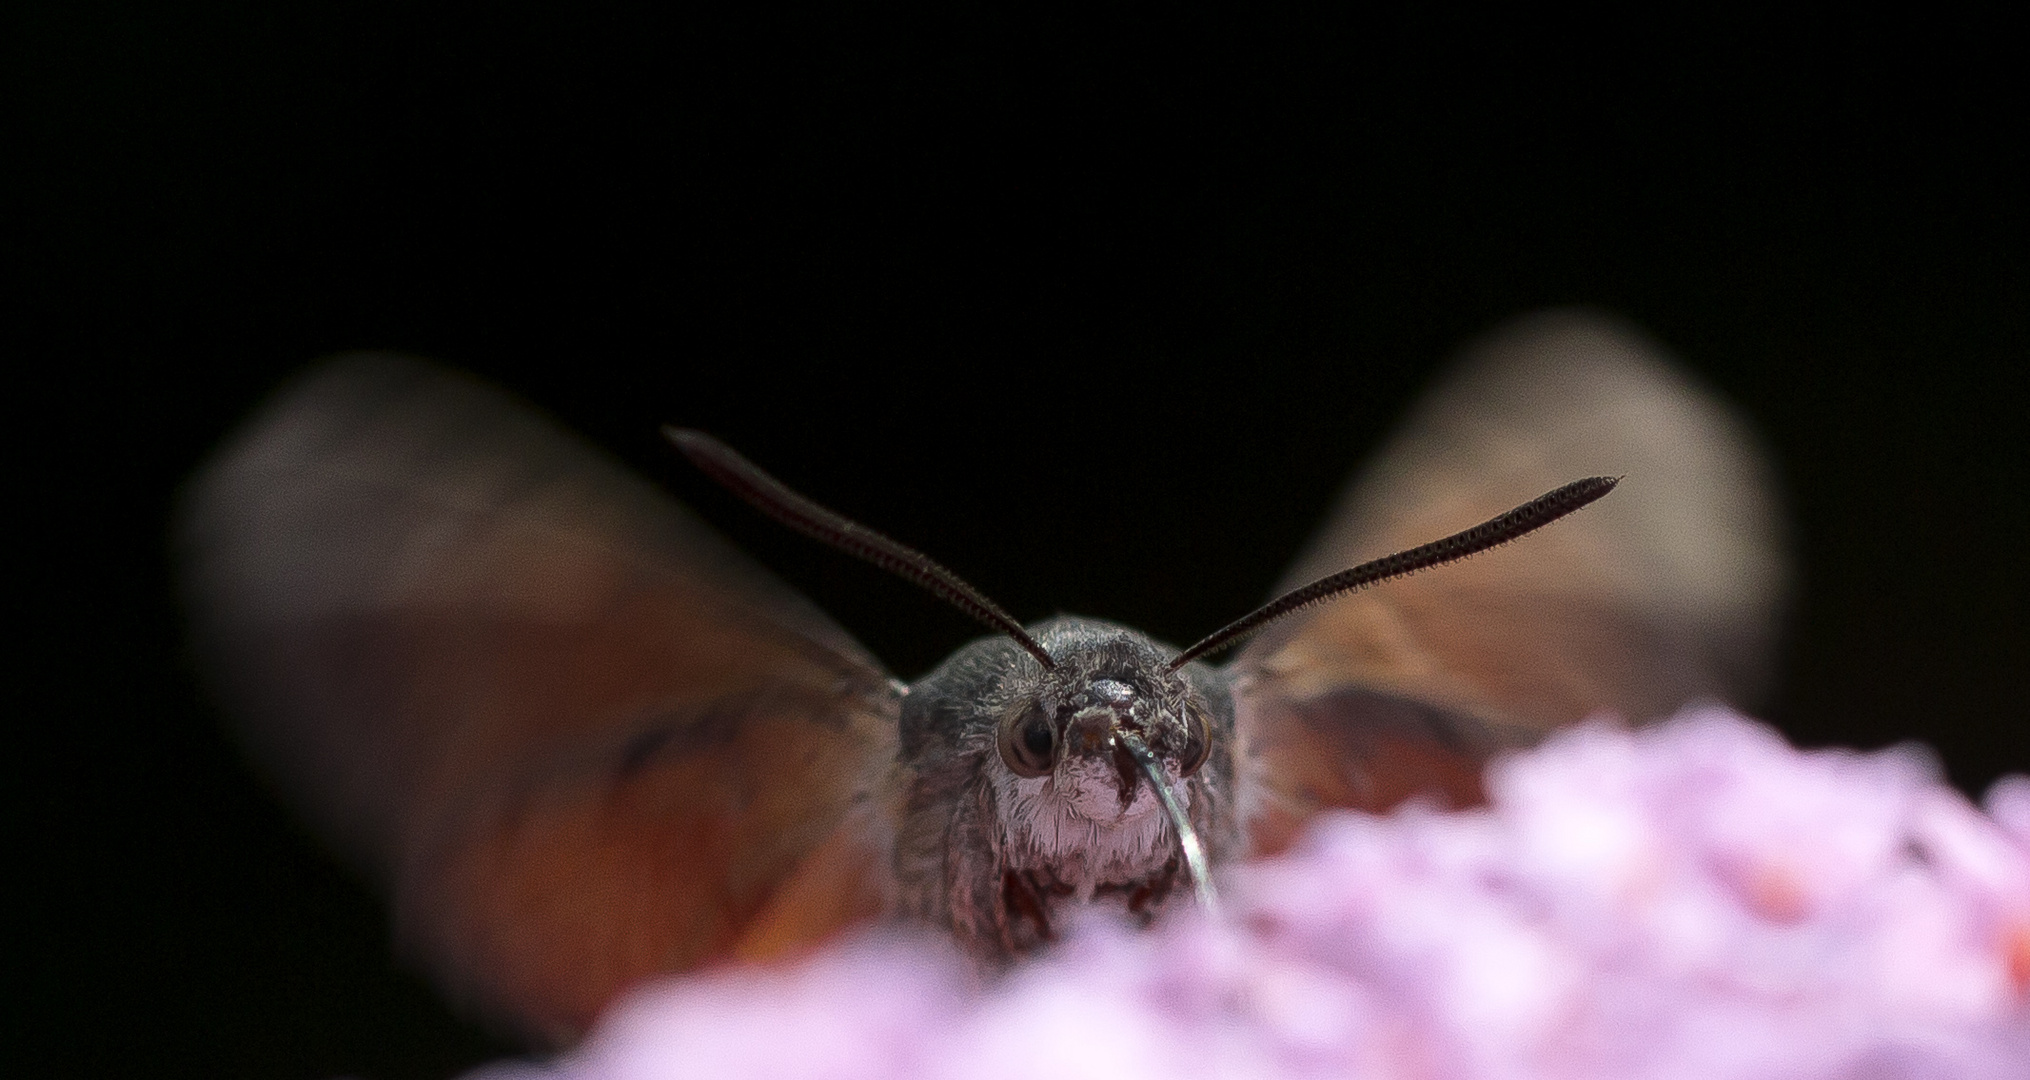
point(579, 737)
point(1665, 591)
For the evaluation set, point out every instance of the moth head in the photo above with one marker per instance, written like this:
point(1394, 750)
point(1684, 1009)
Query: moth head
point(1086, 724)
point(1075, 726)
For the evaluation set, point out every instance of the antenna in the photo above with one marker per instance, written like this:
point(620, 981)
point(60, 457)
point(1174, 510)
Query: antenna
point(1494, 532)
point(774, 498)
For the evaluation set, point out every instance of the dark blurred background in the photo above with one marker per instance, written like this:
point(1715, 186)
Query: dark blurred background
point(1100, 310)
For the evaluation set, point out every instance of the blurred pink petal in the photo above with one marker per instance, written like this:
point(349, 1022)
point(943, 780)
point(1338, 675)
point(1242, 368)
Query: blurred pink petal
point(1698, 900)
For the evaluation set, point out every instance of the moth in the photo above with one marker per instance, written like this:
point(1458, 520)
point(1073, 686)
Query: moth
point(583, 741)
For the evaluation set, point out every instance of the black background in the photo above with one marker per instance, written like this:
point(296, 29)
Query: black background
point(1099, 310)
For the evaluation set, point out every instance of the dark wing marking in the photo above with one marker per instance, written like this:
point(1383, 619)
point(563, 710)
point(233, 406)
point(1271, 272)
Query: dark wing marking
point(1667, 590)
point(580, 738)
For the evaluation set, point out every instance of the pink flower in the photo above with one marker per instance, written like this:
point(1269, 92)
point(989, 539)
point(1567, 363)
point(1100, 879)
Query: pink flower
point(1697, 900)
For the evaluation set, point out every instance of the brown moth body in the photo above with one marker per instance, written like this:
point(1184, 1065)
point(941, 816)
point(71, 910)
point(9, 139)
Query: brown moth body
point(581, 741)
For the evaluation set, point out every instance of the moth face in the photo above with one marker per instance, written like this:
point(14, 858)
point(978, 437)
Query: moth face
point(1025, 782)
point(1066, 746)
point(1069, 793)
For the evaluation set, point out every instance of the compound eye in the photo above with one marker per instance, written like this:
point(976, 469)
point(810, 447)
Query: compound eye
point(1029, 743)
point(1197, 743)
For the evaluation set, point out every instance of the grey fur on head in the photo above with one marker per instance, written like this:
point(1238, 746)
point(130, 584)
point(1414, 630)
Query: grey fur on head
point(995, 855)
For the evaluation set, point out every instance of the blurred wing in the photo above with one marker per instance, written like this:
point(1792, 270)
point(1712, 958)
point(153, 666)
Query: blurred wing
point(1667, 590)
point(581, 738)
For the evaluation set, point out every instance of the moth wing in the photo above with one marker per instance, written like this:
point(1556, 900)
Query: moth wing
point(1667, 590)
point(579, 737)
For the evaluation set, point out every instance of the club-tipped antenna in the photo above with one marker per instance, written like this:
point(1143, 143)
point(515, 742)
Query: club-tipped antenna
point(1494, 532)
point(1187, 836)
point(774, 498)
